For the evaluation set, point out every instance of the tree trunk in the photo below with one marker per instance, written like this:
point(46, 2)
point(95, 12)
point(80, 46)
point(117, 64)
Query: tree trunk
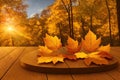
point(69, 17)
point(69, 20)
point(83, 24)
point(91, 25)
point(118, 16)
point(91, 18)
point(109, 15)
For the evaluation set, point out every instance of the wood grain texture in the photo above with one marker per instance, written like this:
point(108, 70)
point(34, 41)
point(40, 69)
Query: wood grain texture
point(80, 67)
point(59, 77)
point(108, 75)
point(16, 72)
point(29, 61)
point(92, 76)
point(7, 56)
point(115, 74)
point(4, 51)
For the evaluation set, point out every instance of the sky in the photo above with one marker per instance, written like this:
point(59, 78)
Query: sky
point(36, 6)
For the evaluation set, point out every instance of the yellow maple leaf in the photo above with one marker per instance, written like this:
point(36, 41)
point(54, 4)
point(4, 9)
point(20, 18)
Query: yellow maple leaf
point(44, 51)
point(54, 59)
point(81, 55)
point(91, 43)
point(72, 45)
point(105, 48)
point(93, 54)
point(44, 59)
point(53, 43)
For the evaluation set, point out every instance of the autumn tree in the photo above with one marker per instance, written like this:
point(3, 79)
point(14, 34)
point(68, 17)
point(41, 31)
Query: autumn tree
point(57, 20)
point(109, 16)
point(112, 20)
point(68, 5)
point(118, 16)
point(12, 13)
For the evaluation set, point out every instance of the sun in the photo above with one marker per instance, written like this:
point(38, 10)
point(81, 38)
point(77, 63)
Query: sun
point(10, 29)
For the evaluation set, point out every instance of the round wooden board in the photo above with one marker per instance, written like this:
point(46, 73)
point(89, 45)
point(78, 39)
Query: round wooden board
point(29, 61)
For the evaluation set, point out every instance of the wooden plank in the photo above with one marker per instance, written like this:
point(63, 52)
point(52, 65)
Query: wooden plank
point(97, 76)
point(29, 61)
point(8, 56)
point(4, 51)
point(8, 60)
point(115, 74)
point(16, 72)
point(59, 77)
point(80, 67)
point(92, 76)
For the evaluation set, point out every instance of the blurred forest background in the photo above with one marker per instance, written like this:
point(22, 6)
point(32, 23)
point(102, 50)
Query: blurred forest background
point(62, 18)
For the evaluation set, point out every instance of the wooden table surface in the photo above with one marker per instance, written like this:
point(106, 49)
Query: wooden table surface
point(10, 68)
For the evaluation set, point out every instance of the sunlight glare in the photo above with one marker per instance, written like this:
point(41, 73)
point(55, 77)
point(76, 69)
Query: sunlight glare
point(10, 29)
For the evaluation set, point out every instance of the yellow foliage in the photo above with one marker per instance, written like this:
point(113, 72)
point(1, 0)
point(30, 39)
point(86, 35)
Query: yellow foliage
point(49, 59)
point(81, 55)
point(44, 51)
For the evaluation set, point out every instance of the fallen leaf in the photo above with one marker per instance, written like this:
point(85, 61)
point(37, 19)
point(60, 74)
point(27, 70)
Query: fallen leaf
point(70, 56)
point(93, 54)
point(81, 55)
point(72, 46)
point(91, 43)
point(53, 59)
point(96, 59)
point(44, 59)
point(105, 48)
point(104, 54)
point(53, 43)
point(44, 51)
point(56, 59)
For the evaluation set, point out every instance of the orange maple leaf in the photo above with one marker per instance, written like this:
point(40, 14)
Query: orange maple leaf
point(72, 46)
point(53, 43)
point(70, 56)
point(95, 58)
point(104, 48)
point(104, 51)
point(104, 54)
point(91, 43)
point(98, 61)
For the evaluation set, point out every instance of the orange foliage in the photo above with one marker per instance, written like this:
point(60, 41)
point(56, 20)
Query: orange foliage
point(72, 46)
point(91, 43)
point(52, 43)
point(54, 52)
